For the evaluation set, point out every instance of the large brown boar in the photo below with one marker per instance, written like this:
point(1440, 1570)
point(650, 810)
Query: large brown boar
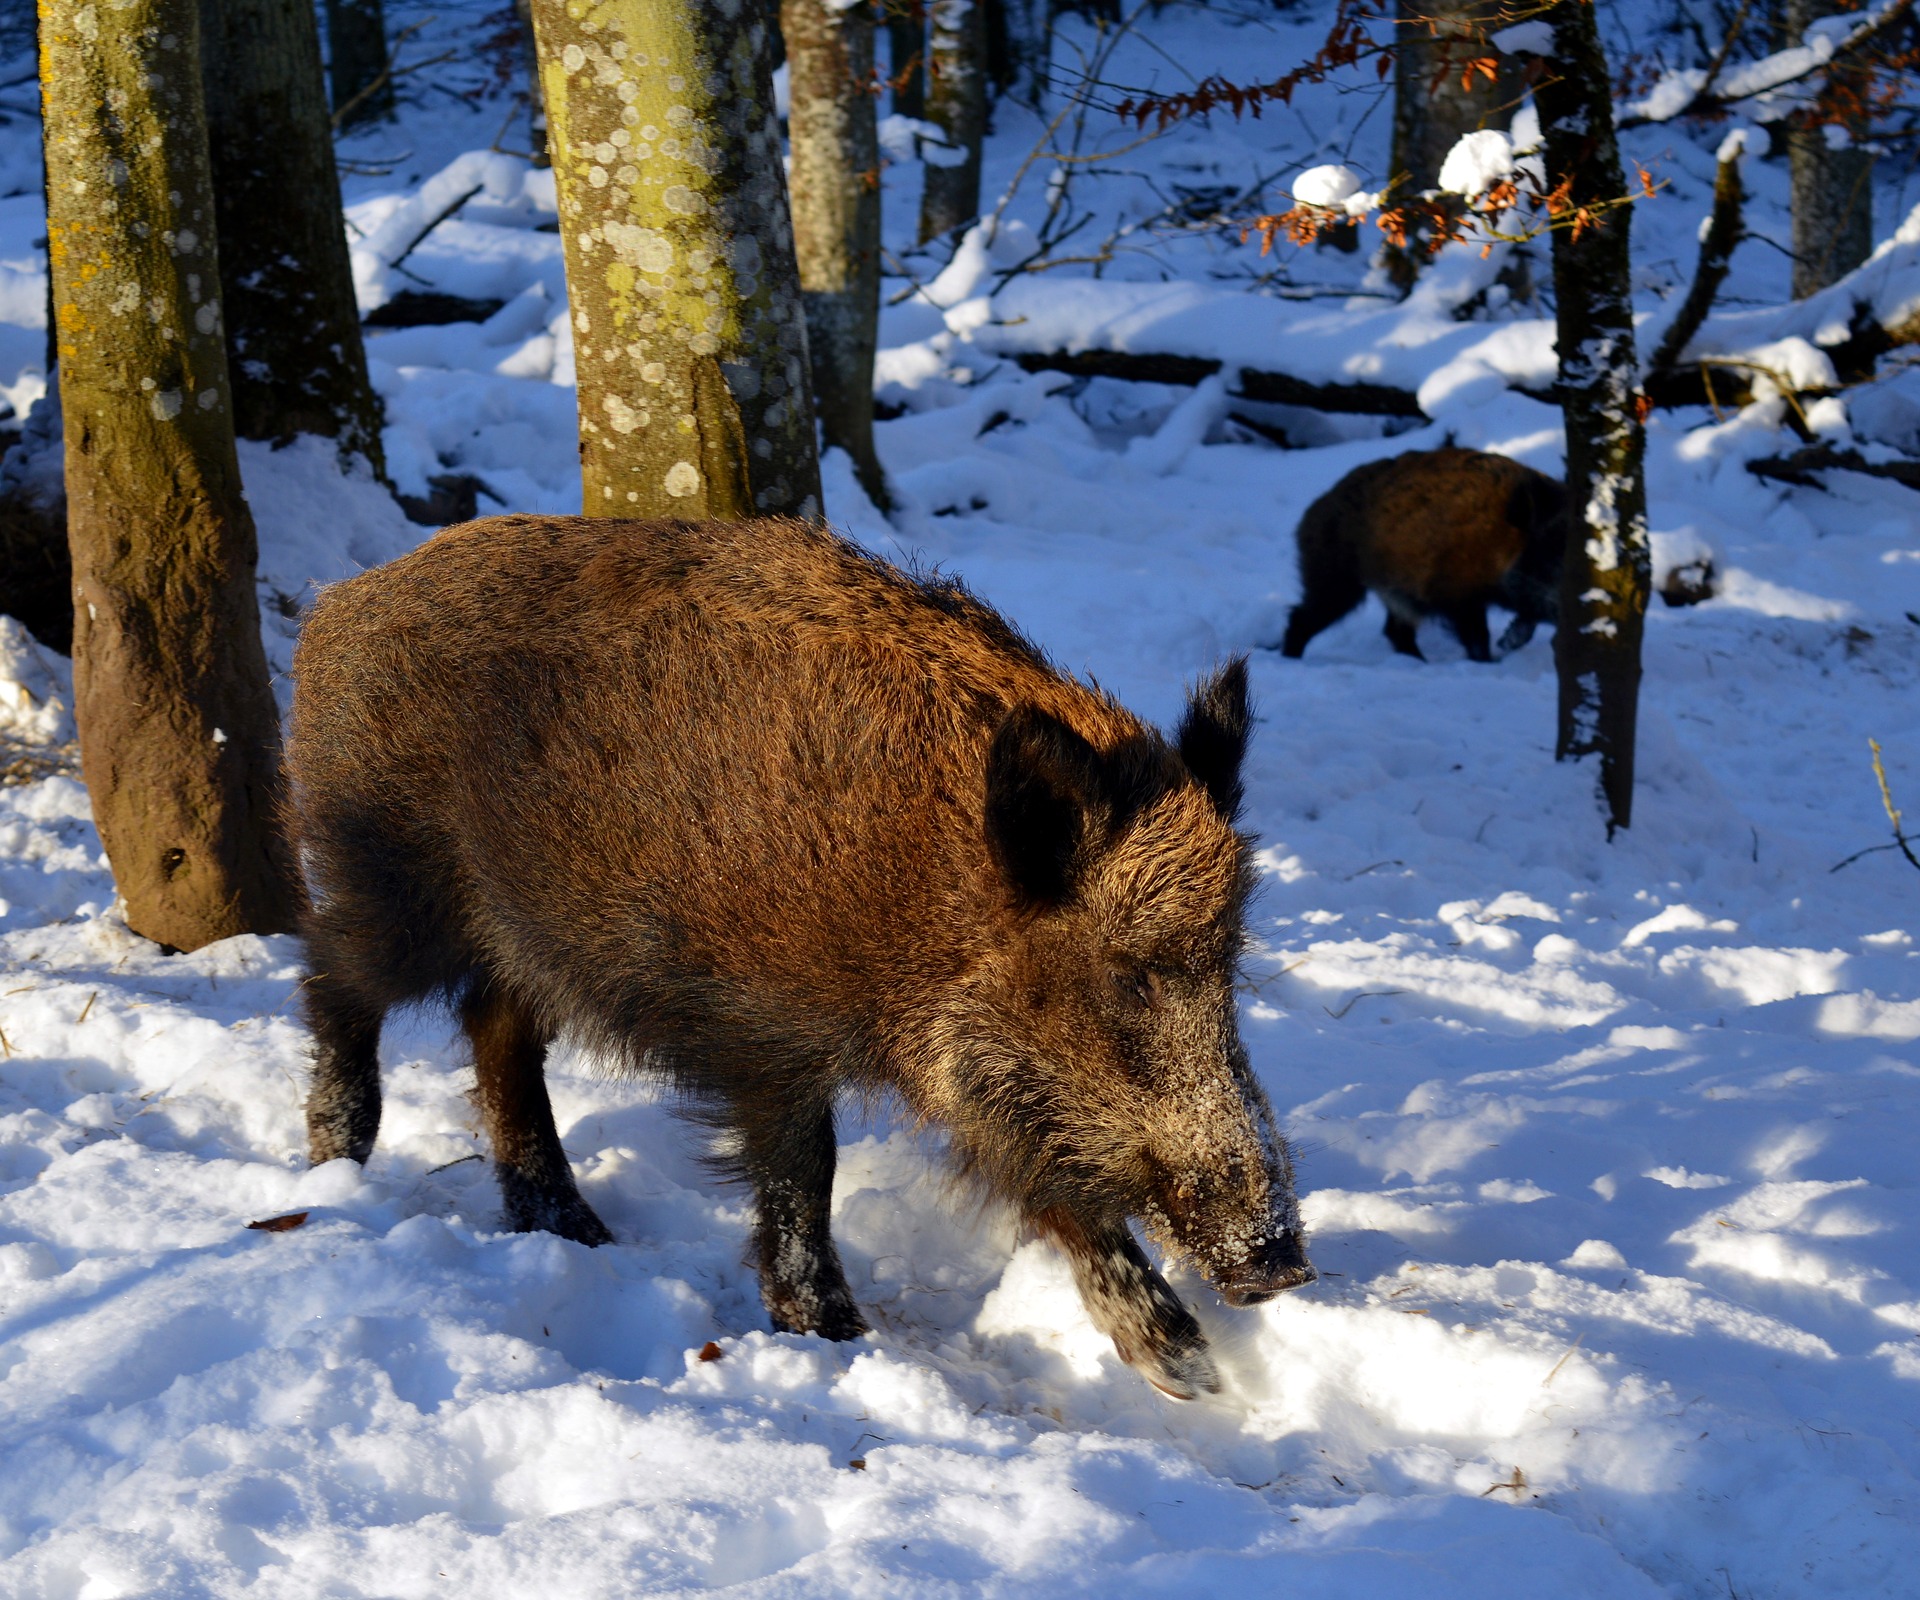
point(1434, 533)
point(753, 812)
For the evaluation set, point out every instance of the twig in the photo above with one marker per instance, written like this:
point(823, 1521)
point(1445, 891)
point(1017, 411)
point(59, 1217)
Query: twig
point(1364, 994)
point(1886, 799)
point(86, 1008)
point(420, 237)
point(1580, 1340)
point(390, 72)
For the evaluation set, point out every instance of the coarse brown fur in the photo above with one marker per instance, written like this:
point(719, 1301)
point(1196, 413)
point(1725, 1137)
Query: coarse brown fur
point(744, 807)
point(1433, 533)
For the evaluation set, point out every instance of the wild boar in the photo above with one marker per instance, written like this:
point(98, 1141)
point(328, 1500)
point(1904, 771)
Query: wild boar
point(1433, 533)
point(748, 810)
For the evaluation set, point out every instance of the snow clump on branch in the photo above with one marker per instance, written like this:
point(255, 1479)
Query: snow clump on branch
point(1477, 162)
point(1333, 188)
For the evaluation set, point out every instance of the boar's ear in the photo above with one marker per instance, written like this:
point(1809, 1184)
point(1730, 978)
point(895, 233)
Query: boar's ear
point(1213, 734)
point(1044, 800)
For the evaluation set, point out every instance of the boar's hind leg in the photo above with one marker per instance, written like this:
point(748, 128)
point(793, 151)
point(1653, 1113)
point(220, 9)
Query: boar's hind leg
point(536, 1184)
point(1134, 1307)
point(343, 1106)
point(790, 1164)
point(1470, 627)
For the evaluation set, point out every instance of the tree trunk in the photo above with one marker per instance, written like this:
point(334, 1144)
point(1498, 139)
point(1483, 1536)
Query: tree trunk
point(957, 105)
point(536, 105)
point(358, 65)
point(1608, 571)
point(294, 354)
point(1434, 42)
point(1436, 99)
point(689, 338)
point(836, 217)
point(907, 55)
point(1023, 39)
point(1832, 188)
point(177, 731)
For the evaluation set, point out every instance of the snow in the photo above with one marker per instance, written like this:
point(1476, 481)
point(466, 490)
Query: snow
point(1525, 38)
point(1606, 1148)
point(1479, 161)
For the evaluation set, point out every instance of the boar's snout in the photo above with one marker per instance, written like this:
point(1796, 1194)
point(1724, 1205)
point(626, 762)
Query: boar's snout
point(1279, 1265)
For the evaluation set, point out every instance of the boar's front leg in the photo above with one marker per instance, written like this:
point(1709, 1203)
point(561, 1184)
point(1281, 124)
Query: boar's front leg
point(1133, 1306)
point(789, 1158)
point(537, 1190)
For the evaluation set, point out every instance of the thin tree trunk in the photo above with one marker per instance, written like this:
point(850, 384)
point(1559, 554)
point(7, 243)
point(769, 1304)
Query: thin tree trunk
point(294, 353)
point(1026, 29)
point(536, 105)
point(689, 337)
point(1608, 570)
point(357, 61)
point(835, 178)
point(957, 105)
point(1832, 188)
point(907, 55)
point(177, 731)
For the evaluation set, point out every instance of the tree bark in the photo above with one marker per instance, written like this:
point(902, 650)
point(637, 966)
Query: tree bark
point(1026, 34)
point(689, 337)
point(957, 105)
point(1434, 42)
point(536, 104)
point(1832, 188)
point(294, 354)
point(835, 178)
point(1608, 570)
point(1717, 244)
point(358, 63)
point(907, 55)
point(1436, 100)
point(178, 738)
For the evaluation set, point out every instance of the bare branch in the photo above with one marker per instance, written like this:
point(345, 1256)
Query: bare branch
point(1724, 233)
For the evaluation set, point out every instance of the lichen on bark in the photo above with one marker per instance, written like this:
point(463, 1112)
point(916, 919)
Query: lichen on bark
point(178, 736)
point(1608, 569)
point(689, 339)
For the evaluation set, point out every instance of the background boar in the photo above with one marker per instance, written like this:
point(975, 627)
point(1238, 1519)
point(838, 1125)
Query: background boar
point(1433, 533)
point(742, 806)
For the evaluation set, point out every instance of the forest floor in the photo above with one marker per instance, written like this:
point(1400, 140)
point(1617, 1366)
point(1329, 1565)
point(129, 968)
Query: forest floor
point(1607, 1149)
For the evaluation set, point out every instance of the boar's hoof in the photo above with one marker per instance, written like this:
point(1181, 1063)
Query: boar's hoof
point(832, 1316)
point(1182, 1374)
point(532, 1210)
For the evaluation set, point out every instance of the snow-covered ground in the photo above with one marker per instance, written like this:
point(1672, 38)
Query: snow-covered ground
point(1606, 1148)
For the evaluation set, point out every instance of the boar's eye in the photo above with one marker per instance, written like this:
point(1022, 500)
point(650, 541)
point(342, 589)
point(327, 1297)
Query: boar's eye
point(1143, 985)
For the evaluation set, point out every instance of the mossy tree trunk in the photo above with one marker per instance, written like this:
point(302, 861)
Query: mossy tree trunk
point(957, 105)
point(836, 216)
point(1604, 584)
point(1832, 184)
point(178, 737)
point(294, 355)
point(689, 338)
point(358, 65)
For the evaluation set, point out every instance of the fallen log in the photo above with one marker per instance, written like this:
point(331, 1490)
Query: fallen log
point(1800, 467)
point(1272, 388)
